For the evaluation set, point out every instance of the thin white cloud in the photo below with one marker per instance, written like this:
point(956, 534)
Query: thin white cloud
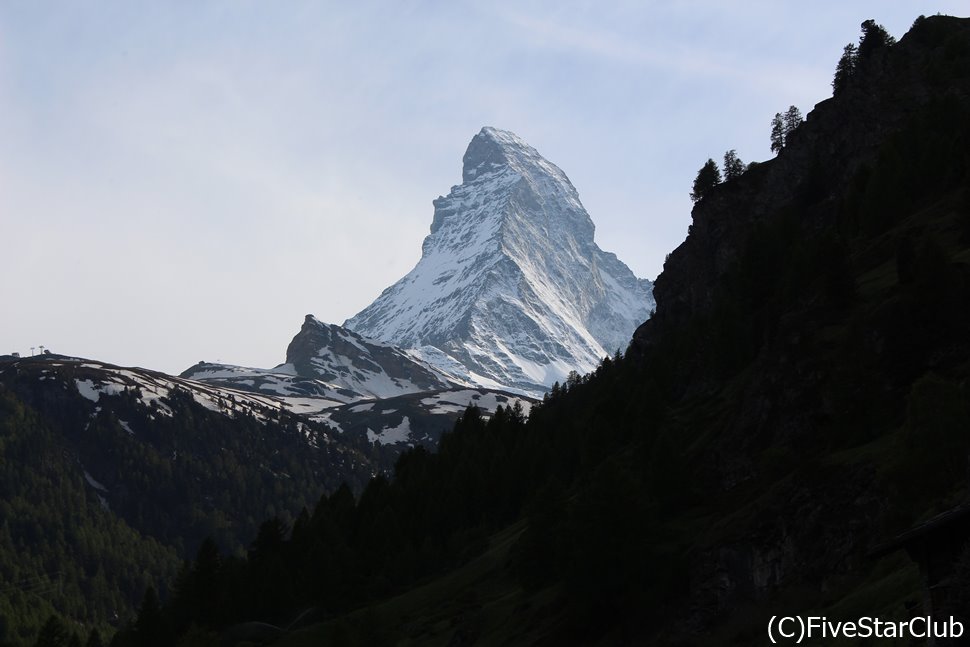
point(685, 59)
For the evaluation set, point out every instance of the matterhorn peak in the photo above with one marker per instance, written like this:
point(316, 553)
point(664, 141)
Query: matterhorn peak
point(510, 284)
point(494, 150)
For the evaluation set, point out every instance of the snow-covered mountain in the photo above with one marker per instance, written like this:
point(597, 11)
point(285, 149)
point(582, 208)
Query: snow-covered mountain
point(327, 365)
point(511, 290)
point(339, 356)
point(361, 388)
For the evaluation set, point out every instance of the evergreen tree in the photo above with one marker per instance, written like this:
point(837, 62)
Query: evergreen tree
point(150, 626)
point(270, 578)
point(845, 68)
point(777, 133)
point(205, 581)
point(574, 378)
point(733, 166)
point(518, 413)
point(782, 126)
point(707, 178)
point(555, 391)
point(874, 37)
point(793, 119)
point(53, 634)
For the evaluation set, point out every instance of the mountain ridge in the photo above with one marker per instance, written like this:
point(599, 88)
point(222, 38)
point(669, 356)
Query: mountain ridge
point(801, 398)
point(511, 283)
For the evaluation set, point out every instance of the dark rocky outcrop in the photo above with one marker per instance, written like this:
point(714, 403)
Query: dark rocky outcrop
point(334, 354)
point(787, 318)
point(816, 166)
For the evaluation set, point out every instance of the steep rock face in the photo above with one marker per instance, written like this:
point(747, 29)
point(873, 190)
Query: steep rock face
point(327, 365)
point(839, 137)
point(842, 352)
point(510, 283)
point(341, 357)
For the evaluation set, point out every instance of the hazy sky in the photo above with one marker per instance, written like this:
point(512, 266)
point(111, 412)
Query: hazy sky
point(185, 180)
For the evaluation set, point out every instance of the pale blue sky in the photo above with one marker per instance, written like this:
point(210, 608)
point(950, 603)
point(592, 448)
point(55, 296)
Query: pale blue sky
point(185, 180)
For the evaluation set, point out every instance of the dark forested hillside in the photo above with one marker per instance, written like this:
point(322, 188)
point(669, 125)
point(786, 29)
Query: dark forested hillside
point(798, 400)
point(60, 551)
point(111, 476)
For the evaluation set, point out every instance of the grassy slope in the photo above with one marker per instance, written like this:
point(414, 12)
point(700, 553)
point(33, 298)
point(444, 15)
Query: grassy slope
point(479, 602)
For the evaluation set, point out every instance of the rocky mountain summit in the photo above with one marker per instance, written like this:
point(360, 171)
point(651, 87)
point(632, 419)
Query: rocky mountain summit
point(511, 294)
point(374, 368)
point(510, 285)
point(334, 365)
point(360, 388)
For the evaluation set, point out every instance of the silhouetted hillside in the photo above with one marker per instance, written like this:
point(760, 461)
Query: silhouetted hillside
point(799, 399)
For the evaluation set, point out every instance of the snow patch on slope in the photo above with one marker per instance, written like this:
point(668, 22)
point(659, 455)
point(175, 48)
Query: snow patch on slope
point(392, 435)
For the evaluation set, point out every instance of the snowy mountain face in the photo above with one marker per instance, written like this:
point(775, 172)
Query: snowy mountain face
point(511, 290)
point(375, 369)
point(359, 388)
point(331, 365)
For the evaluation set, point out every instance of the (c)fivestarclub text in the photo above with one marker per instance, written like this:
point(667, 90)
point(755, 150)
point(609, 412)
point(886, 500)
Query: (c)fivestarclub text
point(795, 629)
